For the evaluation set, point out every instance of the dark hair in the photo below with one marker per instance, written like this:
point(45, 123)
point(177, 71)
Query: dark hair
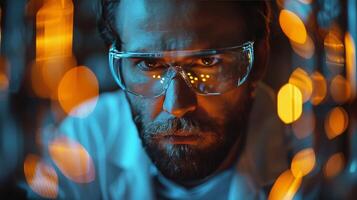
point(256, 12)
point(107, 20)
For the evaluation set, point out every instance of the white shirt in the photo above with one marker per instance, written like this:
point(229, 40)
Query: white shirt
point(123, 170)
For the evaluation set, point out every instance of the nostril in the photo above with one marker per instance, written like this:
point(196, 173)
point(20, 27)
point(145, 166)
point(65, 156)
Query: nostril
point(179, 98)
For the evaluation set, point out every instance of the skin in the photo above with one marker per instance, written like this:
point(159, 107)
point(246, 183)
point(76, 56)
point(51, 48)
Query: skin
point(182, 25)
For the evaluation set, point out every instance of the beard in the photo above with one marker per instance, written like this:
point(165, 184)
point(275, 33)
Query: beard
point(185, 163)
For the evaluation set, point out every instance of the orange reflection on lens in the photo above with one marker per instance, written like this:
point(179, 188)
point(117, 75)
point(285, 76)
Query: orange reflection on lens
point(285, 187)
point(305, 50)
point(289, 103)
point(302, 80)
point(340, 89)
point(336, 122)
point(319, 88)
point(303, 162)
point(334, 165)
point(292, 26)
point(305, 125)
point(78, 85)
point(41, 177)
point(351, 63)
point(72, 159)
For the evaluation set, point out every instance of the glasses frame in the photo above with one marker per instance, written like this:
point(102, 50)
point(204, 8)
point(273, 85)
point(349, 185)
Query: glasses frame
point(115, 54)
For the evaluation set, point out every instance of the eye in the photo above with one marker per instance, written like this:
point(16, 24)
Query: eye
point(208, 61)
point(149, 64)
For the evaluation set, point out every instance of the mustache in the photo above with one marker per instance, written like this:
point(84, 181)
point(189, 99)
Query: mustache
point(193, 125)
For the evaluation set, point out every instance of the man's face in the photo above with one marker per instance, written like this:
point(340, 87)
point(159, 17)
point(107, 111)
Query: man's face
point(187, 136)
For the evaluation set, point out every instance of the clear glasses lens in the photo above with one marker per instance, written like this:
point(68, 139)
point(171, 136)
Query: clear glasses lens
point(210, 74)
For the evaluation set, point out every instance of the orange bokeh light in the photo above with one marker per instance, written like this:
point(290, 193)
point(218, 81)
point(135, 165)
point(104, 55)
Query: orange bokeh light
point(306, 1)
point(72, 159)
point(340, 89)
point(54, 36)
point(302, 80)
point(351, 63)
point(334, 165)
point(41, 177)
point(303, 162)
point(292, 26)
point(336, 122)
point(289, 103)
point(77, 86)
point(285, 187)
point(4, 82)
point(4, 79)
point(305, 125)
point(305, 50)
point(319, 88)
point(334, 47)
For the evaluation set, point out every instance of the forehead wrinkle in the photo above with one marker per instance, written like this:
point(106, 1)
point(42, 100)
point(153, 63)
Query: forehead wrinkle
point(159, 41)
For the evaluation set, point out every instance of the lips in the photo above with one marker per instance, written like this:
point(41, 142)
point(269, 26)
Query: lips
point(176, 139)
point(180, 137)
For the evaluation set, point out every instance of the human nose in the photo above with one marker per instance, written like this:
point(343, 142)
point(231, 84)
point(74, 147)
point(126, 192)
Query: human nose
point(179, 98)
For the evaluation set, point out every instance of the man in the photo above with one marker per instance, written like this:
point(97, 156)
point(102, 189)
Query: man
point(188, 71)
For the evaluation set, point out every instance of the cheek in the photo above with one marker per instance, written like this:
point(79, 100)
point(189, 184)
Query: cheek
point(149, 109)
point(218, 107)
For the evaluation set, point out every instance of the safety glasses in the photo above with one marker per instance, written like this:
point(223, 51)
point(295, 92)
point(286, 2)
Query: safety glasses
point(205, 71)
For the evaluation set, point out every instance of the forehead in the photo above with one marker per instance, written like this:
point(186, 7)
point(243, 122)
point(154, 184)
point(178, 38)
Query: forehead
point(179, 24)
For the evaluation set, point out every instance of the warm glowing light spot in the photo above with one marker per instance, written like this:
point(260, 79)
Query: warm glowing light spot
point(78, 85)
point(207, 76)
point(334, 47)
point(351, 63)
point(334, 165)
point(4, 67)
point(202, 75)
point(191, 77)
point(41, 177)
point(204, 80)
point(303, 162)
point(189, 74)
point(305, 50)
point(285, 187)
point(302, 80)
point(72, 159)
point(4, 82)
point(340, 89)
point(53, 70)
point(158, 77)
point(54, 22)
point(319, 88)
point(292, 26)
point(306, 1)
point(196, 79)
point(336, 122)
point(289, 103)
point(305, 125)
point(153, 76)
point(54, 36)
point(192, 81)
